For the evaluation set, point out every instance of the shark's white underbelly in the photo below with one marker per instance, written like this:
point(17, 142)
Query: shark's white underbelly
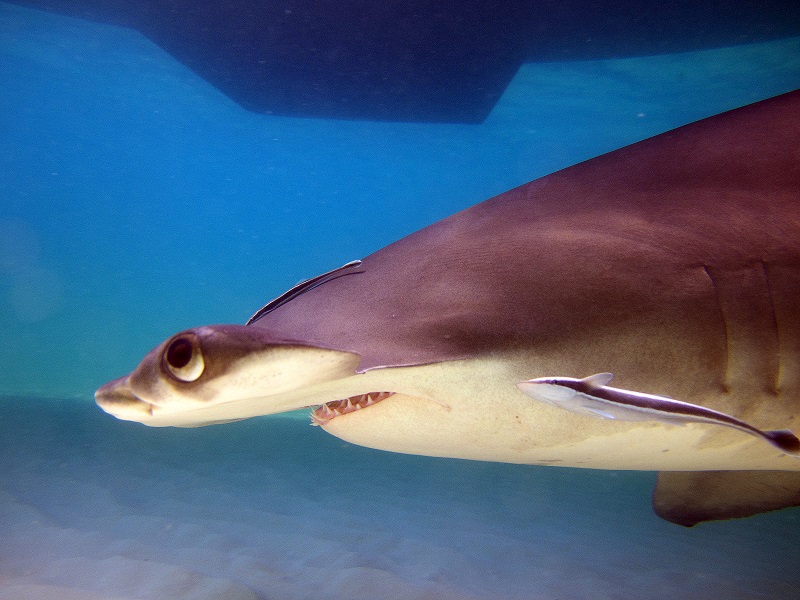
point(473, 410)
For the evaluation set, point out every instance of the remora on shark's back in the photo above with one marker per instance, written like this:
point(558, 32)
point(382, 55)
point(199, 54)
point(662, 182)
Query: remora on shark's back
point(673, 263)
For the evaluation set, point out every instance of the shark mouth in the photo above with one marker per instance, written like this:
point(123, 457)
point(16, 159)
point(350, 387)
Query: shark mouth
point(336, 408)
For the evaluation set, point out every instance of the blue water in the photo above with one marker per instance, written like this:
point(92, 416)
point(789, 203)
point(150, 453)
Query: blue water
point(137, 200)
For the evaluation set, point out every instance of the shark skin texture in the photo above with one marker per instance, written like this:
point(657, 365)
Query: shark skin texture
point(673, 263)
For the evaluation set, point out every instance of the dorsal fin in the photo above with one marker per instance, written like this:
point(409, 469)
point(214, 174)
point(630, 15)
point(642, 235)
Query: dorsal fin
point(598, 379)
point(785, 440)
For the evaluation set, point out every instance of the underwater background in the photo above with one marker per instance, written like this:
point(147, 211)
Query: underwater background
point(136, 200)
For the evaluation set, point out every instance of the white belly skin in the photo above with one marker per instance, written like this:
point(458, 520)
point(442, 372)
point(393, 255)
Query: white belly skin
point(473, 410)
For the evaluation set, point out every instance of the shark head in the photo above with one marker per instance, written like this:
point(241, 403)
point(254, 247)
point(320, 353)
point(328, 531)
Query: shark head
point(212, 374)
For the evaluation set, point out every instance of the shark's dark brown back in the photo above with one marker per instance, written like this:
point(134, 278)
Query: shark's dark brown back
point(647, 233)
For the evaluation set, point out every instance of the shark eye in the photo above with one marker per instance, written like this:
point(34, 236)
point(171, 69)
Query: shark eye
point(184, 359)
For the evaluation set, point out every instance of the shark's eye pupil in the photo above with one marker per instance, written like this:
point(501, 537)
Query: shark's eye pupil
point(183, 358)
point(179, 353)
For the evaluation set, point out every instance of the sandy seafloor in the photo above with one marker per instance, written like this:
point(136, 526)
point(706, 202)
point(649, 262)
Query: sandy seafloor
point(137, 201)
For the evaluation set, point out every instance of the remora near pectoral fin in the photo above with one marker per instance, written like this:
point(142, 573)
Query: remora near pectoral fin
point(590, 396)
point(689, 498)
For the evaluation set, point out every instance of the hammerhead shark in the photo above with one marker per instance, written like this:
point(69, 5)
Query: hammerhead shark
point(673, 264)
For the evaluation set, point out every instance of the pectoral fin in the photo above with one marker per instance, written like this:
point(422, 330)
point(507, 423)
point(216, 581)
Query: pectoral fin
point(688, 498)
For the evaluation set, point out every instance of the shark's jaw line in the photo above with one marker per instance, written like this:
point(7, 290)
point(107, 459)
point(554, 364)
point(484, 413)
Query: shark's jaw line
point(323, 414)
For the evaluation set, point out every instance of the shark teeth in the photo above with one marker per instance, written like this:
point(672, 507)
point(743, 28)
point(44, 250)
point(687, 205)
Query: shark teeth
point(331, 410)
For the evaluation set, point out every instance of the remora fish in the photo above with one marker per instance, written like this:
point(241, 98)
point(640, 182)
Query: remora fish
point(592, 397)
point(673, 263)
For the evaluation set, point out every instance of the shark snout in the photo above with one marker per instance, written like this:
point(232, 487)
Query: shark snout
point(116, 398)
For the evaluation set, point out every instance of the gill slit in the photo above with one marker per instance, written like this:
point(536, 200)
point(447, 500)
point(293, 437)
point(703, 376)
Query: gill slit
point(725, 379)
point(777, 377)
